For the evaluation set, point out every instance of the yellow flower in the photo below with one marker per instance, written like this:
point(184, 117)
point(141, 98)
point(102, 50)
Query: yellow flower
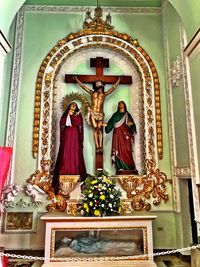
point(106, 180)
point(96, 212)
point(119, 209)
point(91, 203)
point(94, 182)
point(102, 197)
point(85, 205)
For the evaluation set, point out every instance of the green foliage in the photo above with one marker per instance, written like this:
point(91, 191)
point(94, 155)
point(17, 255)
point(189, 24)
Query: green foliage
point(100, 196)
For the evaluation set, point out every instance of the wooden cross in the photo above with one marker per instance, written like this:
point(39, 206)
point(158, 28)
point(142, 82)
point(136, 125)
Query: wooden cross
point(99, 63)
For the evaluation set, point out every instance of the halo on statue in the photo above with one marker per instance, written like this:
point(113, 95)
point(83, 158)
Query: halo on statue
point(80, 97)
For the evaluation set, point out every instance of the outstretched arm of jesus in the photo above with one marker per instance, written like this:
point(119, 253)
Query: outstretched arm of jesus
point(82, 85)
point(114, 86)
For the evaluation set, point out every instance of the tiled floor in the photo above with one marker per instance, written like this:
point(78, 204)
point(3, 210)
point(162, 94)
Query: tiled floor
point(173, 261)
point(161, 261)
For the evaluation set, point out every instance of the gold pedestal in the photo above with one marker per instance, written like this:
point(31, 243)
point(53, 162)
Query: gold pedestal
point(68, 184)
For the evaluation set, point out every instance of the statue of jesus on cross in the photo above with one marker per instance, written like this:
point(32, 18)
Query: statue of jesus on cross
point(95, 114)
point(98, 95)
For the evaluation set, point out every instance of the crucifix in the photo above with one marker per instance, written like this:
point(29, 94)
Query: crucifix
point(98, 95)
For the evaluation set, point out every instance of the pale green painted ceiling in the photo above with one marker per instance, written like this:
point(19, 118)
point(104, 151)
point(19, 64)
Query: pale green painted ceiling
point(114, 3)
point(189, 13)
point(8, 8)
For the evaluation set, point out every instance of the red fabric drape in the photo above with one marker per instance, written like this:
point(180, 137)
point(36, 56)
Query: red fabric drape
point(5, 156)
point(4, 261)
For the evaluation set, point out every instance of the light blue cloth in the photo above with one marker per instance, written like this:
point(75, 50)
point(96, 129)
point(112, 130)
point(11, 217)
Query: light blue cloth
point(88, 244)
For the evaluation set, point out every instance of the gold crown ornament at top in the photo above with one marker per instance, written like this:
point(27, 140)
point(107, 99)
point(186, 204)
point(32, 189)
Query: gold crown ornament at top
point(97, 23)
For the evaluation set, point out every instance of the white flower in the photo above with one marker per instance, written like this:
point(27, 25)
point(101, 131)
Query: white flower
point(111, 196)
point(102, 205)
point(90, 195)
point(110, 205)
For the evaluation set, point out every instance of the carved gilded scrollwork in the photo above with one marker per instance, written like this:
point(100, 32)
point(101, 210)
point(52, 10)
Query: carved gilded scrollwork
point(59, 204)
point(141, 188)
point(72, 208)
point(42, 177)
point(97, 23)
point(155, 183)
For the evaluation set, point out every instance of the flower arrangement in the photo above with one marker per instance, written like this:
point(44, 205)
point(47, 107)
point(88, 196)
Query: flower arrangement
point(100, 197)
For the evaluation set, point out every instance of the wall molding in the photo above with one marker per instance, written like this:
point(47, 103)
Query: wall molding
point(183, 171)
point(80, 9)
point(172, 137)
point(14, 94)
point(195, 175)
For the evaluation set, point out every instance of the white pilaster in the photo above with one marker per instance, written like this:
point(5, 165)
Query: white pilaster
point(4, 50)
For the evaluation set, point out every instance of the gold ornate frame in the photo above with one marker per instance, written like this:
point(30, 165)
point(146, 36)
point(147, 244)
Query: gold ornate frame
point(102, 258)
point(24, 221)
point(129, 48)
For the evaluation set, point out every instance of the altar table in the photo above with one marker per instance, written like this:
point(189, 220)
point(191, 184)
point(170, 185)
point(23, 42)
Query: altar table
point(98, 241)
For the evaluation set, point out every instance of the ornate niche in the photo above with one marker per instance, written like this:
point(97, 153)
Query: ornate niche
point(100, 36)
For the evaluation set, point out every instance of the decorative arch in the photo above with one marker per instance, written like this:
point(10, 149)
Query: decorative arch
point(128, 47)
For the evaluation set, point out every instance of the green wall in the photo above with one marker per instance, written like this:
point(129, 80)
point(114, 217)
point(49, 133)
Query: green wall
point(195, 80)
point(189, 12)
point(6, 86)
point(126, 3)
point(8, 9)
point(41, 33)
point(39, 40)
point(179, 113)
point(189, 16)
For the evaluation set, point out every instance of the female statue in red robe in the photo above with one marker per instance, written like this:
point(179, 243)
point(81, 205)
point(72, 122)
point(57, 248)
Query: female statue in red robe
point(70, 155)
point(122, 141)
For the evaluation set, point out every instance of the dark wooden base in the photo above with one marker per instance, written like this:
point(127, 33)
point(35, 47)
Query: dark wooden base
point(99, 161)
point(126, 172)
